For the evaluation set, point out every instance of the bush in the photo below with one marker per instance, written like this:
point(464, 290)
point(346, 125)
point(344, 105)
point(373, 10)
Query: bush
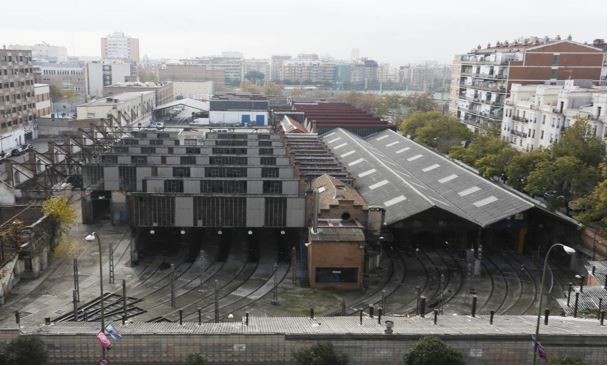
point(567, 360)
point(432, 351)
point(320, 354)
point(196, 359)
point(25, 350)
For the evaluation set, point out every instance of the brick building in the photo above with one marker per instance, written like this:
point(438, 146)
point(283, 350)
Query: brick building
point(482, 78)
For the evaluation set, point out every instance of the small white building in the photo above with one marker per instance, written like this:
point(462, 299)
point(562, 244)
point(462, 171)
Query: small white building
point(537, 115)
point(105, 73)
point(130, 109)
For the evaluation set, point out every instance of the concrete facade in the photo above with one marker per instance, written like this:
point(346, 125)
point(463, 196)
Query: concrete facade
point(120, 46)
point(17, 105)
point(103, 73)
point(128, 108)
point(162, 91)
point(42, 96)
point(535, 116)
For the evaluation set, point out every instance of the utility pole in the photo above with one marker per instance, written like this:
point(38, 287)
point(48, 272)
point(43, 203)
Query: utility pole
point(275, 295)
point(172, 285)
point(76, 284)
point(111, 264)
point(216, 303)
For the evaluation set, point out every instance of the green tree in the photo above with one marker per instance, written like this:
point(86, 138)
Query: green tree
point(567, 360)
point(196, 359)
point(562, 180)
point(518, 169)
point(25, 350)
point(443, 133)
point(55, 93)
point(320, 354)
point(487, 153)
point(255, 77)
point(432, 351)
point(417, 120)
point(577, 141)
point(592, 207)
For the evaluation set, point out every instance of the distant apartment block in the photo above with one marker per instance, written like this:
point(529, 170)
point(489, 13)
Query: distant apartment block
point(42, 98)
point(120, 46)
point(308, 70)
point(64, 76)
point(17, 105)
point(130, 109)
point(535, 116)
point(259, 65)
point(276, 62)
point(482, 78)
point(364, 71)
point(425, 77)
point(188, 72)
point(233, 109)
point(105, 73)
point(45, 52)
point(162, 91)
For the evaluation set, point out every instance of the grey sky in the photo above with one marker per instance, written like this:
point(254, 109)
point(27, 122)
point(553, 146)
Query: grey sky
point(389, 31)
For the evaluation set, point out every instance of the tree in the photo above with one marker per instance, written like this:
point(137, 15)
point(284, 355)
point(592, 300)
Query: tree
point(255, 77)
point(25, 350)
point(562, 180)
point(55, 93)
point(592, 207)
point(417, 120)
point(196, 359)
point(419, 102)
point(320, 354)
point(579, 143)
point(522, 165)
point(486, 152)
point(64, 215)
point(567, 360)
point(432, 351)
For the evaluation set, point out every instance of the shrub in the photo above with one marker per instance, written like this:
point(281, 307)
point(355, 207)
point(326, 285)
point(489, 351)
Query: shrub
point(196, 359)
point(567, 360)
point(432, 351)
point(320, 354)
point(25, 350)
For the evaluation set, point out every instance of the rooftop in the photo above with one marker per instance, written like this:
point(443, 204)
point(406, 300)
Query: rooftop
point(332, 191)
point(118, 98)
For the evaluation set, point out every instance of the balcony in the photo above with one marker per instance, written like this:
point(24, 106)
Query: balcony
point(483, 76)
point(519, 133)
point(520, 119)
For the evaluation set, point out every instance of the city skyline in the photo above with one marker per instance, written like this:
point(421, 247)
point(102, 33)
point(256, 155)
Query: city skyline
point(338, 29)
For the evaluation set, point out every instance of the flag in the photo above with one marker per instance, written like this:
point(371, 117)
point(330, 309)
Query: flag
point(540, 349)
point(103, 340)
point(112, 332)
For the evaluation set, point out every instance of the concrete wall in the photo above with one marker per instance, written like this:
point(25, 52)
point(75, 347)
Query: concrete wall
point(232, 343)
point(335, 255)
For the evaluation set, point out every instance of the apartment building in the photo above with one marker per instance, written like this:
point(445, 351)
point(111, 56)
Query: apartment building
point(482, 78)
point(17, 105)
point(69, 78)
point(130, 109)
point(308, 70)
point(276, 62)
point(190, 73)
point(45, 52)
point(230, 65)
point(259, 65)
point(233, 109)
point(535, 116)
point(104, 73)
point(364, 72)
point(163, 91)
point(42, 99)
point(120, 46)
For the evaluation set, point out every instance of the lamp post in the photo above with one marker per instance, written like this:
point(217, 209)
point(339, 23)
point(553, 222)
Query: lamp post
point(91, 237)
point(568, 251)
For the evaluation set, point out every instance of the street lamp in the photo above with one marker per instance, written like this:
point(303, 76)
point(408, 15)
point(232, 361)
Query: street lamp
point(568, 251)
point(91, 237)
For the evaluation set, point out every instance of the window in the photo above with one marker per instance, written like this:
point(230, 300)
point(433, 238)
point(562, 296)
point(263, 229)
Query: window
point(223, 186)
point(542, 134)
point(265, 151)
point(156, 142)
point(139, 159)
point(121, 149)
point(553, 73)
point(227, 160)
point(131, 142)
point(181, 171)
point(229, 151)
point(109, 159)
point(265, 143)
point(268, 160)
point(189, 141)
point(193, 150)
point(555, 60)
point(217, 172)
point(174, 185)
point(270, 172)
point(187, 160)
point(148, 150)
point(153, 172)
point(272, 186)
point(544, 118)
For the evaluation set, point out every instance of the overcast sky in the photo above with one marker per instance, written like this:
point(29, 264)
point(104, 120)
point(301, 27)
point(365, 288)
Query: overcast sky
point(389, 31)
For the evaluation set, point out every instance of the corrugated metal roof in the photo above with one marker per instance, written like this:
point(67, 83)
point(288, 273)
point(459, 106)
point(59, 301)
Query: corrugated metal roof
point(418, 179)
